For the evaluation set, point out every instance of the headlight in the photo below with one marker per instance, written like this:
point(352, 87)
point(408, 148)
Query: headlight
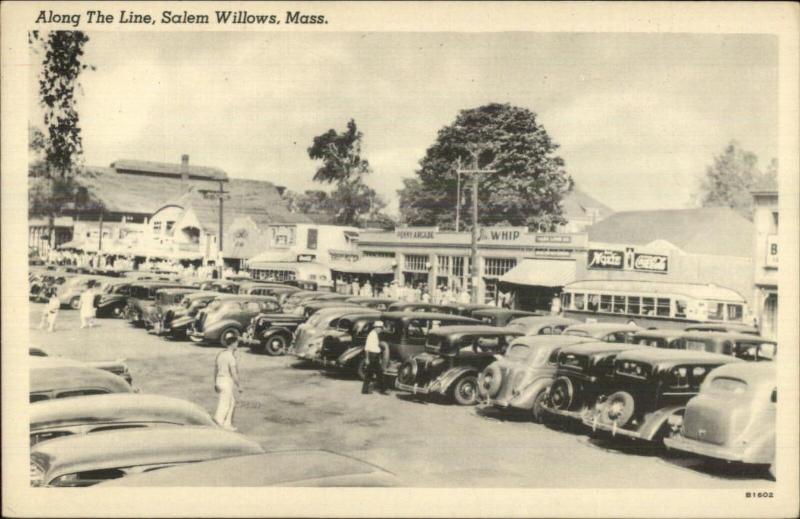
point(681, 372)
point(698, 371)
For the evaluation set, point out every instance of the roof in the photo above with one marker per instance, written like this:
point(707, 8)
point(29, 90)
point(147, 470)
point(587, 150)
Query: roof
point(537, 322)
point(577, 204)
point(147, 167)
point(752, 372)
point(365, 265)
point(697, 291)
point(469, 329)
point(554, 341)
point(115, 408)
point(540, 272)
point(709, 230)
point(590, 348)
point(63, 376)
point(601, 329)
point(141, 446)
point(669, 356)
point(407, 316)
point(726, 336)
point(289, 468)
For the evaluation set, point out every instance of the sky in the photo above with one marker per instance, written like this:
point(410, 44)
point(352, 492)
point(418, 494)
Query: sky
point(638, 117)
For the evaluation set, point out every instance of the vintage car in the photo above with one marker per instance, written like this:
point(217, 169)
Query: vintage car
point(541, 324)
point(41, 282)
point(69, 293)
point(309, 336)
point(454, 356)
point(466, 309)
point(166, 300)
point(723, 327)
point(293, 301)
point(87, 459)
point(273, 469)
point(312, 307)
point(422, 307)
point(656, 338)
point(733, 416)
point(260, 288)
point(499, 316)
point(350, 334)
point(519, 380)
point(97, 413)
point(303, 284)
point(378, 303)
point(222, 286)
point(225, 320)
point(142, 294)
point(271, 333)
point(583, 372)
point(52, 378)
point(608, 332)
point(649, 391)
point(740, 345)
point(112, 301)
point(176, 321)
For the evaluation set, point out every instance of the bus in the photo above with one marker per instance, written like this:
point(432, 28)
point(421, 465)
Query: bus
point(651, 304)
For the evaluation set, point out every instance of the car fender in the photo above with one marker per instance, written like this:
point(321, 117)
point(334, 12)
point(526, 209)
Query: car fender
point(526, 396)
point(350, 355)
point(212, 331)
point(762, 446)
point(109, 300)
point(443, 382)
point(277, 330)
point(657, 419)
point(181, 322)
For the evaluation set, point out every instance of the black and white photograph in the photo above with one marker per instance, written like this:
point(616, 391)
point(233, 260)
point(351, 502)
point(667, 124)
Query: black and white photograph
point(266, 246)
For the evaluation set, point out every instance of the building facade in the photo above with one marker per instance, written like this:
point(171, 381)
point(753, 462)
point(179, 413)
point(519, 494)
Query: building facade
point(765, 261)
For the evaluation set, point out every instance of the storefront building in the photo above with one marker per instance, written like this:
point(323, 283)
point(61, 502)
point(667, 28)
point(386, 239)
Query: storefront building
point(765, 261)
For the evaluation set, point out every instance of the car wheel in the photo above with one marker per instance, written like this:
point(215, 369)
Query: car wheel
point(75, 303)
point(537, 410)
point(196, 339)
point(276, 345)
point(465, 391)
point(619, 408)
point(361, 368)
point(229, 336)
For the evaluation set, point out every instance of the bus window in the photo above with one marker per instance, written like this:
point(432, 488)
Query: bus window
point(592, 302)
point(663, 307)
point(605, 303)
point(680, 308)
point(579, 301)
point(734, 312)
point(715, 311)
point(566, 300)
point(633, 305)
point(619, 304)
point(648, 306)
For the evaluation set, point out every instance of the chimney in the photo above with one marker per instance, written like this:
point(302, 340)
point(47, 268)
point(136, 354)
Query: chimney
point(184, 168)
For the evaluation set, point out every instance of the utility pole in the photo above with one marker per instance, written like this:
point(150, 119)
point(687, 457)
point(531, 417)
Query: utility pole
point(458, 195)
point(474, 270)
point(219, 195)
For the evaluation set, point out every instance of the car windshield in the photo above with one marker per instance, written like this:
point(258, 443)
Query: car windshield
point(707, 346)
point(755, 350)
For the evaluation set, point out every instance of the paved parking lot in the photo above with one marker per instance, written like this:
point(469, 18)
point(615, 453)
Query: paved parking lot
point(288, 406)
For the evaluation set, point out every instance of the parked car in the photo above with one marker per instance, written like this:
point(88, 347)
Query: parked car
point(649, 391)
point(69, 293)
point(256, 288)
point(656, 338)
point(88, 459)
point(176, 322)
point(273, 469)
point(224, 321)
point(740, 345)
point(519, 380)
point(291, 303)
point(453, 358)
point(541, 324)
point(499, 316)
point(583, 372)
point(52, 378)
point(112, 301)
point(271, 333)
point(723, 327)
point(378, 303)
point(309, 336)
point(97, 413)
point(313, 306)
point(466, 309)
point(422, 307)
point(142, 295)
point(166, 300)
point(46, 280)
point(303, 284)
point(221, 286)
point(608, 332)
point(350, 334)
point(733, 416)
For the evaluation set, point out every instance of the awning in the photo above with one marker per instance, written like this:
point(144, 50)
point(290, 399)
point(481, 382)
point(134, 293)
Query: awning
point(541, 272)
point(365, 266)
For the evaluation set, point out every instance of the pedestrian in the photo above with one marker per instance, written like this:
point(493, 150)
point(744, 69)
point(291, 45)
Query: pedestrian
point(51, 311)
point(426, 297)
point(226, 383)
point(372, 352)
point(87, 305)
point(463, 297)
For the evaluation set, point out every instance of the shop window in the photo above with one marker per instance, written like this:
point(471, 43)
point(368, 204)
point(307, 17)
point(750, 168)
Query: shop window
point(663, 307)
point(312, 239)
point(680, 308)
point(157, 226)
point(416, 263)
point(496, 267)
point(170, 226)
point(734, 312)
point(491, 290)
point(566, 301)
point(605, 303)
point(579, 301)
point(633, 305)
point(619, 304)
point(377, 254)
point(716, 311)
point(648, 306)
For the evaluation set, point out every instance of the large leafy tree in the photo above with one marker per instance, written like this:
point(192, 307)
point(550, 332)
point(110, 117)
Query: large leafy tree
point(526, 188)
point(343, 165)
point(56, 153)
point(728, 181)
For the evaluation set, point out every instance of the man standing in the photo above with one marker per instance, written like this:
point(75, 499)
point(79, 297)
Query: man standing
point(51, 312)
point(372, 351)
point(226, 381)
point(87, 305)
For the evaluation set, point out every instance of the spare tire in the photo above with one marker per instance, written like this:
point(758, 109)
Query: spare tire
point(561, 394)
point(407, 373)
point(490, 380)
point(618, 408)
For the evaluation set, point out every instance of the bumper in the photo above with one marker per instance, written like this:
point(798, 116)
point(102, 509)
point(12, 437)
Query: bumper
point(489, 402)
point(704, 449)
point(590, 420)
point(423, 390)
point(248, 339)
point(572, 415)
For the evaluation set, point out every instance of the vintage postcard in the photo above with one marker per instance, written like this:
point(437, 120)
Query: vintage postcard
point(405, 259)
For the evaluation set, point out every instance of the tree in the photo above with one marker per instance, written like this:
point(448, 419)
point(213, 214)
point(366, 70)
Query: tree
point(730, 179)
point(342, 164)
point(57, 152)
point(526, 190)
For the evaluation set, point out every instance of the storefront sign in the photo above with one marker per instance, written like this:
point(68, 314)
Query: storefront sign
point(553, 238)
point(605, 259)
point(650, 263)
point(417, 233)
point(552, 253)
point(304, 258)
point(772, 251)
point(502, 233)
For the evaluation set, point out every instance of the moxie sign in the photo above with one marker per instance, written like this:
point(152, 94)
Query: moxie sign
point(605, 259)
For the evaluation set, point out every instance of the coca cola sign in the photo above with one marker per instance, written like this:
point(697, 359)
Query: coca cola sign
point(605, 259)
point(650, 263)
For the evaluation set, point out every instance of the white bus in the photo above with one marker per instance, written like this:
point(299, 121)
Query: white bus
point(654, 303)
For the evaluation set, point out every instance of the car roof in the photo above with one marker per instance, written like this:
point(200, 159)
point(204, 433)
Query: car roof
point(65, 376)
point(532, 321)
point(502, 311)
point(603, 328)
point(592, 347)
point(726, 336)
point(406, 316)
point(556, 341)
point(117, 407)
point(246, 297)
point(312, 468)
point(755, 373)
point(666, 334)
point(177, 290)
point(139, 446)
point(406, 304)
point(481, 329)
point(671, 356)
